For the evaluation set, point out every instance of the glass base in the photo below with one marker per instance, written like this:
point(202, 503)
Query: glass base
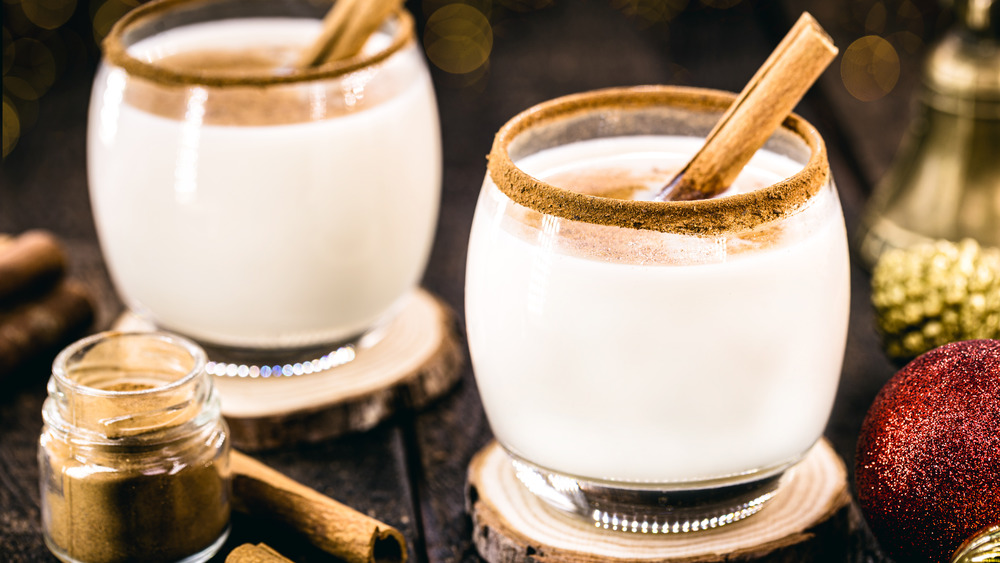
point(200, 557)
point(232, 361)
point(254, 363)
point(650, 509)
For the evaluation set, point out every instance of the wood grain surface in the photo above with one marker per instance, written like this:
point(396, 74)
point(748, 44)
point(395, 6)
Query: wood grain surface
point(417, 360)
point(410, 471)
point(808, 519)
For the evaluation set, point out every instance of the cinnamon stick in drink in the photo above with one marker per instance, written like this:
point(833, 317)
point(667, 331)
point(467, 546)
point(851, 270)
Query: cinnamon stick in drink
point(346, 28)
point(763, 104)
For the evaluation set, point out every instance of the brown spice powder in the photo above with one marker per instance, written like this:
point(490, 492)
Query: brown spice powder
point(131, 516)
point(140, 478)
point(729, 214)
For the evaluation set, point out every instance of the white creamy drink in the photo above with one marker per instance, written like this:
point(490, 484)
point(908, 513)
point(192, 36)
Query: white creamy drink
point(620, 354)
point(240, 225)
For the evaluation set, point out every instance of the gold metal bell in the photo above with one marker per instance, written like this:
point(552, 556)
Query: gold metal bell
point(984, 547)
point(945, 180)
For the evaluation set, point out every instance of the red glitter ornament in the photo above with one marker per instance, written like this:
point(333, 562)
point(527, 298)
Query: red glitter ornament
point(928, 458)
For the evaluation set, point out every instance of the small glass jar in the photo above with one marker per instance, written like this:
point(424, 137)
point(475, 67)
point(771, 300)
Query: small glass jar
point(654, 366)
point(134, 453)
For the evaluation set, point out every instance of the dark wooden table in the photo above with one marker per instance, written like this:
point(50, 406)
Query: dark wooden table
point(410, 471)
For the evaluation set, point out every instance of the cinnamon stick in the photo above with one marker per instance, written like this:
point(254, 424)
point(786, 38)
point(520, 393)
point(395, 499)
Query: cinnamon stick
point(760, 108)
point(41, 324)
point(29, 260)
point(260, 553)
point(326, 523)
point(346, 28)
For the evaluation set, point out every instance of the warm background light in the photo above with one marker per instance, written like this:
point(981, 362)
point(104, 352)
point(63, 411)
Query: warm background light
point(104, 14)
point(882, 29)
point(458, 38)
point(40, 47)
point(48, 14)
point(45, 41)
point(651, 12)
point(869, 68)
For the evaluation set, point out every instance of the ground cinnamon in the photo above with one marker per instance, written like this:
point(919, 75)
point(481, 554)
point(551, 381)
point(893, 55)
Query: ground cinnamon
point(130, 515)
point(133, 455)
point(627, 108)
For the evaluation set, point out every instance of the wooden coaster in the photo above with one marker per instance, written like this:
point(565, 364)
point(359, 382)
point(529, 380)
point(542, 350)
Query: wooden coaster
point(808, 519)
point(417, 360)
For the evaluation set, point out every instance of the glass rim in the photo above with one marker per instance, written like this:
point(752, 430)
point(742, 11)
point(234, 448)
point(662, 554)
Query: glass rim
point(61, 373)
point(115, 51)
point(709, 217)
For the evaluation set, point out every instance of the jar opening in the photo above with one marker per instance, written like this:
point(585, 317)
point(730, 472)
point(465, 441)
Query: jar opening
point(642, 111)
point(123, 364)
point(119, 385)
point(163, 15)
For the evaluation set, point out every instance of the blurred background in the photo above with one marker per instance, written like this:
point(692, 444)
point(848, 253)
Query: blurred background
point(490, 59)
point(51, 47)
point(476, 51)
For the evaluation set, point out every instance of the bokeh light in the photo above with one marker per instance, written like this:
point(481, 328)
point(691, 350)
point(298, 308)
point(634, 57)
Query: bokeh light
point(33, 70)
point(525, 5)
point(720, 4)
point(869, 68)
point(106, 13)
point(484, 6)
point(876, 19)
point(11, 127)
point(458, 38)
point(909, 42)
point(48, 14)
point(8, 51)
point(650, 12)
point(909, 18)
point(902, 23)
point(42, 44)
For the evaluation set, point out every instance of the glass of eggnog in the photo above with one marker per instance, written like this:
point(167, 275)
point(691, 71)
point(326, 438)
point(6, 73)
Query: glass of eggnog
point(654, 366)
point(261, 208)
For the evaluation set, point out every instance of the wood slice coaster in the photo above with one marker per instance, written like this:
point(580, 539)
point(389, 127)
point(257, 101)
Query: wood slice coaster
point(809, 519)
point(418, 360)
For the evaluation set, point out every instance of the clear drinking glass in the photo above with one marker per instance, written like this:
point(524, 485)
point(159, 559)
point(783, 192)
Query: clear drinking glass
point(267, 211)
point(655, 367)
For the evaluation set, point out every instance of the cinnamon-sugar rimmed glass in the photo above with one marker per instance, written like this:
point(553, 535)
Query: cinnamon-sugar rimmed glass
point(654, 367)
point(280, 216)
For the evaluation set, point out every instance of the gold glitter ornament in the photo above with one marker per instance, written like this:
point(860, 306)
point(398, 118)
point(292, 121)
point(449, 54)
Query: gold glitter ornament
point(932, 294)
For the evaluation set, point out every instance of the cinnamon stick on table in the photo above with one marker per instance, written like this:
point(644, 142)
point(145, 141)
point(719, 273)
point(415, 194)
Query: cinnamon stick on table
point(260, 553)
point(31, 259)
point(760, 108)
point(326, 523)
point(42, 323)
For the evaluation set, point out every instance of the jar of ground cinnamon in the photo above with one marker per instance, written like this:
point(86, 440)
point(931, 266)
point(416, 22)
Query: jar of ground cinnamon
point(134, 453)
